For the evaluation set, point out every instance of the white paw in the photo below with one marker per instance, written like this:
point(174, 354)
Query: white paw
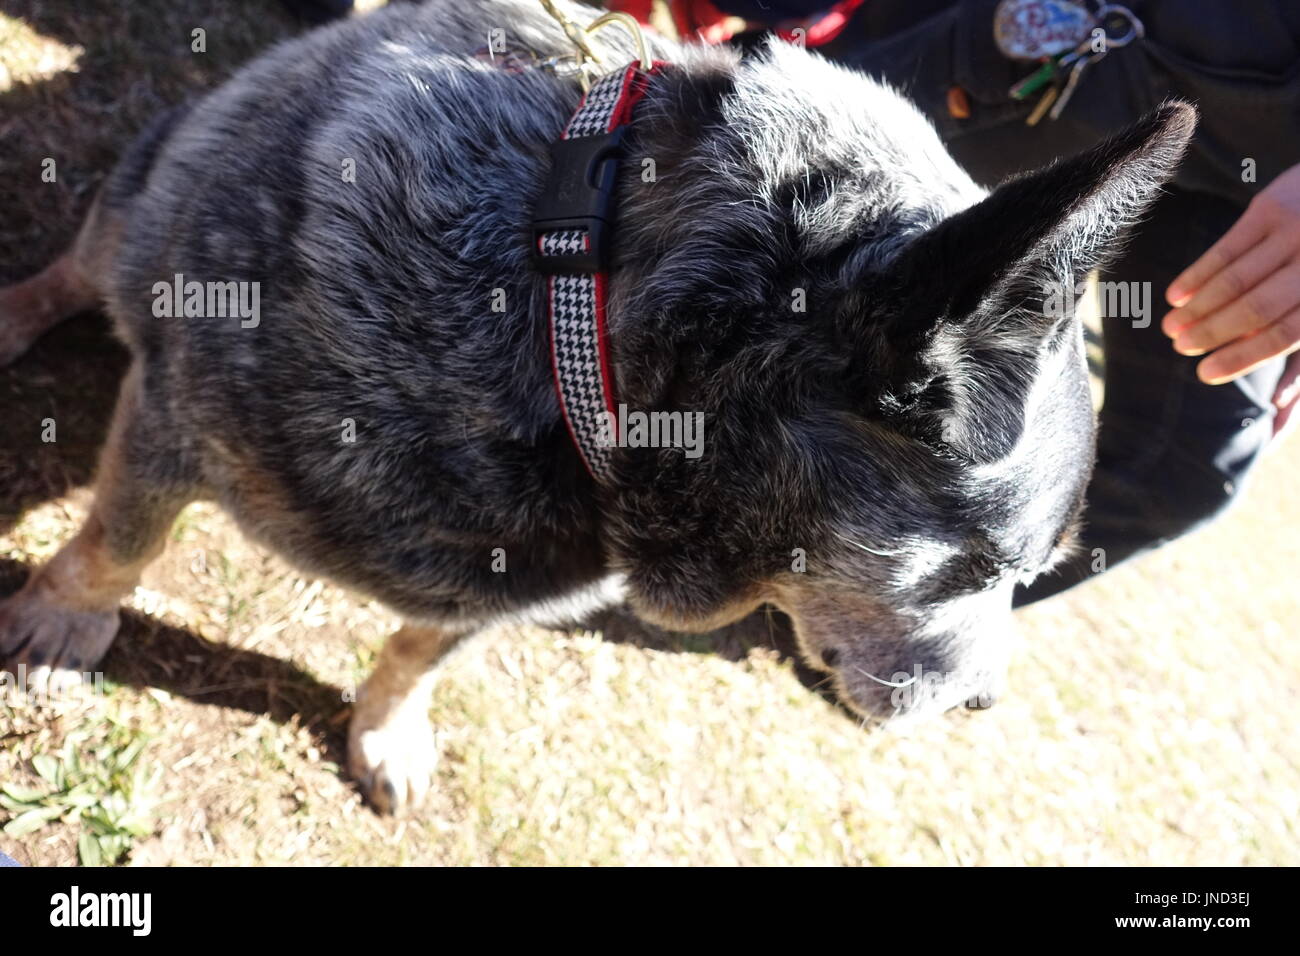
point(393, 760)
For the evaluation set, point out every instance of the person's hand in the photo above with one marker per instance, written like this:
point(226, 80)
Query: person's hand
point(1240, 301)
point(1287, 397)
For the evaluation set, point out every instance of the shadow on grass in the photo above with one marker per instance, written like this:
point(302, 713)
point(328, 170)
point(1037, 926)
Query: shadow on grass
point(150, 654)
point(68, 382)
point(766, 628)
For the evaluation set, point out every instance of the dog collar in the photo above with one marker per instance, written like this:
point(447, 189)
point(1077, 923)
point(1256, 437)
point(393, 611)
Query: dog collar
point(571, 245)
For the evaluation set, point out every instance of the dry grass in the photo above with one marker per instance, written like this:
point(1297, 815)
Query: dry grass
point(1151, 719)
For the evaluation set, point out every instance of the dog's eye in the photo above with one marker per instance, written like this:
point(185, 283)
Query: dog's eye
point(974, 571)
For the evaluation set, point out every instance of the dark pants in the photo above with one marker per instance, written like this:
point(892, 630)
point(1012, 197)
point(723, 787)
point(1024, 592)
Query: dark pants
point(1172, 453)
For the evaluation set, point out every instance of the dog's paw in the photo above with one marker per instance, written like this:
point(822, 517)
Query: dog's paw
point(48, 637)
point(393, 761)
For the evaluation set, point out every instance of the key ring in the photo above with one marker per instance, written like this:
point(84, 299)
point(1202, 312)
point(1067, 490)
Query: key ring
point(1136, 30)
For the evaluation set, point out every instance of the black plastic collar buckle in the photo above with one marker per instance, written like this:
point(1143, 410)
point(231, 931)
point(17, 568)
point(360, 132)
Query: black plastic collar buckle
point(579, 195)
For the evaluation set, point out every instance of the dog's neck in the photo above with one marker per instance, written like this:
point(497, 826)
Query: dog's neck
point(590, 237)
point(663, 194)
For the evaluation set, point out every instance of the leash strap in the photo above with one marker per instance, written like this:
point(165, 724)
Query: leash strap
point(571, 226)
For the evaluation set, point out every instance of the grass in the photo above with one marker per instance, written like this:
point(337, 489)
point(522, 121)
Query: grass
point(1150, 720)
point(98, 786)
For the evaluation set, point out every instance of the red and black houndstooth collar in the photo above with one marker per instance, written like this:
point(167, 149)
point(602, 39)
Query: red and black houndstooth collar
point(571, 227)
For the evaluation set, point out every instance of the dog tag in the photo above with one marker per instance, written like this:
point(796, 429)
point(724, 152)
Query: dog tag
point(1035, 29)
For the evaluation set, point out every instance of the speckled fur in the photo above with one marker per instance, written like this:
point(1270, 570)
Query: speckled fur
point(920, 433)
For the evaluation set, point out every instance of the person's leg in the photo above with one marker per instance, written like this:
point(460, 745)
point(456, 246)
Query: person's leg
point(1172, 451)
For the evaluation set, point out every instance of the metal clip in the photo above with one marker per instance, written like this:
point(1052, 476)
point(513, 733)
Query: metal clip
point(585, 63)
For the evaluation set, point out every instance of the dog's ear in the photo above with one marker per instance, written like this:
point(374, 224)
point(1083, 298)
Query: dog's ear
point(970, 297)
point(1065, 217)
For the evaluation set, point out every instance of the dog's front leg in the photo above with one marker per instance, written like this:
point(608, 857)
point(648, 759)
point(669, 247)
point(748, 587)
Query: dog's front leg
point(391, 750)
point(66, 615)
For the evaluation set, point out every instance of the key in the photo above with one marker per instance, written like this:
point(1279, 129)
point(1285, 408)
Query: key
point(1049, 72)
point(1053, 72)
point(1038, 112)
point(1034, 81)
point(1072, 83)
point(1061, 74)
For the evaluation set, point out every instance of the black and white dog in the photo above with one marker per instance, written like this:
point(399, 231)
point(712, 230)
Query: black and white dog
point(896, 429)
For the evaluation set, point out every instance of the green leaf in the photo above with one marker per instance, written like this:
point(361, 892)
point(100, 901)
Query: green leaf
point(31, 821)
point(88, 850)
point(17, 809)
point(99, 821)
point(21, 794)
point(114, 847)
point(47, 767)
point(136, 825)
point(132, 751)
point(80, 797)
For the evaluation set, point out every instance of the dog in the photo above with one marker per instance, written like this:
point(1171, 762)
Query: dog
point(897, 430)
